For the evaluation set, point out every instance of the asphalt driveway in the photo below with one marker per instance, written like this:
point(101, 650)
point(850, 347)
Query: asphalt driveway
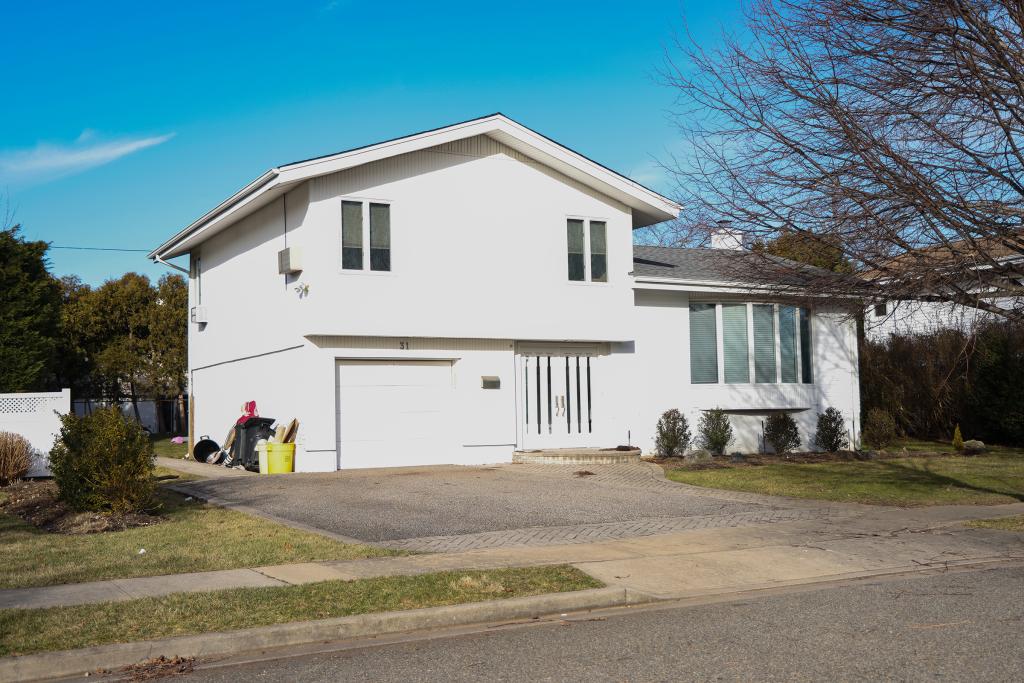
point(386, 505)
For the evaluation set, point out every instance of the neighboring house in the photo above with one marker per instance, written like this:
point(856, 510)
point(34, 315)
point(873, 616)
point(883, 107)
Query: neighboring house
point(456, 295)
point(923, 316)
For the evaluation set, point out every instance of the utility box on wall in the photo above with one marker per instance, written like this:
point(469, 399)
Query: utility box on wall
point(289, 260)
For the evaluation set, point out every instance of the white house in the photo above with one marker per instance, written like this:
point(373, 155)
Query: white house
point(908, 317)
point(459, 294)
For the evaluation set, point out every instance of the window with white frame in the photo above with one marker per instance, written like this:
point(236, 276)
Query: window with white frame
point(587, 250)
point(357, 232)
point(760, 343)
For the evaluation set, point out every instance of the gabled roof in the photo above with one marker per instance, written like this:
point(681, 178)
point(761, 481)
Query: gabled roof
point(733, 267)
point(952, 255)
point(648, 207)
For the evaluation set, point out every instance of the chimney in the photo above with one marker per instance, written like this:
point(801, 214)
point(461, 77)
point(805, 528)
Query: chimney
point(724, 236)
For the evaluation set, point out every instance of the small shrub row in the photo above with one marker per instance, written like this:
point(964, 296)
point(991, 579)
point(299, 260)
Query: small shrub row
point(715, 433)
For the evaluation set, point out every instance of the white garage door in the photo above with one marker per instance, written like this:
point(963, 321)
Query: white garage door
point(394, 413)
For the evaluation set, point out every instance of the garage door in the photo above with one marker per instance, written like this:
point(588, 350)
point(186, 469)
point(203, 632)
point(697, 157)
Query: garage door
point(394, 413)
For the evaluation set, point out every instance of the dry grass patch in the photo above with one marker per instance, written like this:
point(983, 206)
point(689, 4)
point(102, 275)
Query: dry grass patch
point(61, 628)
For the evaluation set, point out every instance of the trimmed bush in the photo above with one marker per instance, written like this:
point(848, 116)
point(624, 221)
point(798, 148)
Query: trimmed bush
point(879, 429)
point(15, 457)
point(673, 434)
point(830, 435)
point(958, 439)
point(103, 462)
point(781, 433)
point(715, 431)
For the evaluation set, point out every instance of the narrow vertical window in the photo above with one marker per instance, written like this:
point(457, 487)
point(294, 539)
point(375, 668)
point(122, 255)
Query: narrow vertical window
point(598, 252)
point(735, 349)
point(764, 343)
point(549, 394)
point(568, 398)
point(577, 250)
point(806, 350)
point(352, 235)
point(380, 237)
point(538, 394)
point(787, 343)
point(703, 344)
point(590, 415)
point(579, 404)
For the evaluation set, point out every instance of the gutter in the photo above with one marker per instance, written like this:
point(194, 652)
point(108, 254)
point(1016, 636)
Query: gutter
point(234, 200)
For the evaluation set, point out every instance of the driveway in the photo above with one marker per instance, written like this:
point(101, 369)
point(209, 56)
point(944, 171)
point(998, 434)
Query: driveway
point(445, 508)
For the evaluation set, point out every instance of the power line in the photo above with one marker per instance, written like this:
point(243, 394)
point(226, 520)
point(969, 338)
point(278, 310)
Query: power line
point(145, 251)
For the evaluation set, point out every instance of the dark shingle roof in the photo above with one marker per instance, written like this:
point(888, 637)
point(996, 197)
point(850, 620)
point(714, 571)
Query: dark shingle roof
point(730, 265)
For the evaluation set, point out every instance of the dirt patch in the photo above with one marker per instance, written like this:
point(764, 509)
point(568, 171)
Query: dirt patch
point(36, 503)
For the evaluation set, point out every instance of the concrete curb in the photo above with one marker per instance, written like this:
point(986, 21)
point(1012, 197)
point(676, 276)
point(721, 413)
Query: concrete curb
point(76, 662)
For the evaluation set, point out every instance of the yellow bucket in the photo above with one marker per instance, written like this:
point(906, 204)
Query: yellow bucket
point(280, 457)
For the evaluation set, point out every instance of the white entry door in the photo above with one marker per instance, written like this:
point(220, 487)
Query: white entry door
point(394, 413)
point(557, 400)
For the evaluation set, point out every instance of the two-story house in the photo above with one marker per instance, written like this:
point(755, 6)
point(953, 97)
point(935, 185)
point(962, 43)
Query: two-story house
point(460, 294)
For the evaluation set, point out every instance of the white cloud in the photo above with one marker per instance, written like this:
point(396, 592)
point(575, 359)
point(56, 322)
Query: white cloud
point(47, 161)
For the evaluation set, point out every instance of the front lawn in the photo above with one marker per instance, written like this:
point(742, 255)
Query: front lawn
point(193, 537)
point(61, 628)
point(944, 480)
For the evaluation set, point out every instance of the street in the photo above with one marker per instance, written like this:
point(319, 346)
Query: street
point(962, 625)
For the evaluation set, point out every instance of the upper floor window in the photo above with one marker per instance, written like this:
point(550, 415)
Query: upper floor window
point(356, 232)
point(780, 351)
point(588, 250)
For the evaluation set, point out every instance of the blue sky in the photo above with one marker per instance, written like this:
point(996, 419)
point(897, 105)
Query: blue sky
point(124, 121)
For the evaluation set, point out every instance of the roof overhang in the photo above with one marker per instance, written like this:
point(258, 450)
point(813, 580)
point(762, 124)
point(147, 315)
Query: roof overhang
point(648, 207)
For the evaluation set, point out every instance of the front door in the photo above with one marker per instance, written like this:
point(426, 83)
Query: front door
point(557, 399)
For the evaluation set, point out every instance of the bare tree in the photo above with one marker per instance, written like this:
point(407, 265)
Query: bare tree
point(891, 128)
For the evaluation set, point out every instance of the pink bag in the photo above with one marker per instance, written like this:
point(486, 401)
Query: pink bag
point(248, 410)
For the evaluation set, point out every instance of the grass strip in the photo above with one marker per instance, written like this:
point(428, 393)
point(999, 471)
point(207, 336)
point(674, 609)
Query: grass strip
point(1002, 523)
point(63, 628)
point(981, 480)
point(194, 537)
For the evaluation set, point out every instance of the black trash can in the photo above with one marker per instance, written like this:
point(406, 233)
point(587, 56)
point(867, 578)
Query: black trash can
point(243, 450)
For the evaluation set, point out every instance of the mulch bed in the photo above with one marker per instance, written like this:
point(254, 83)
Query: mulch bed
point(759, 459)
point(36, 502)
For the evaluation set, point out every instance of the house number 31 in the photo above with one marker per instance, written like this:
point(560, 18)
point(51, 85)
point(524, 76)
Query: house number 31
point(403, 345)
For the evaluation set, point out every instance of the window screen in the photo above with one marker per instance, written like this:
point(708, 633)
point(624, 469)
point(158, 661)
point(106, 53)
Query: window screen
point(703, 344)
point(806, 350)
point(577, 249)
point(598, 252)
point(735, 350)
point(380, 237)
point(352, 235)
point(764, 342)
point(787, 343)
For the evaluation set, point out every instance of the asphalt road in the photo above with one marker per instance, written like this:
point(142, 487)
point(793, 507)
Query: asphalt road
point(416, 502)
point(957, 626)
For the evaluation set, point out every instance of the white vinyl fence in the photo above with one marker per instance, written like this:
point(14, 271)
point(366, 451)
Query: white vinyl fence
point(37, 418)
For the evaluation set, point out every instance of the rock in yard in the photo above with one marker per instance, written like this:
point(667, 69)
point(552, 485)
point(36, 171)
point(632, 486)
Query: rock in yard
point(973, 447)
point(698, 455)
